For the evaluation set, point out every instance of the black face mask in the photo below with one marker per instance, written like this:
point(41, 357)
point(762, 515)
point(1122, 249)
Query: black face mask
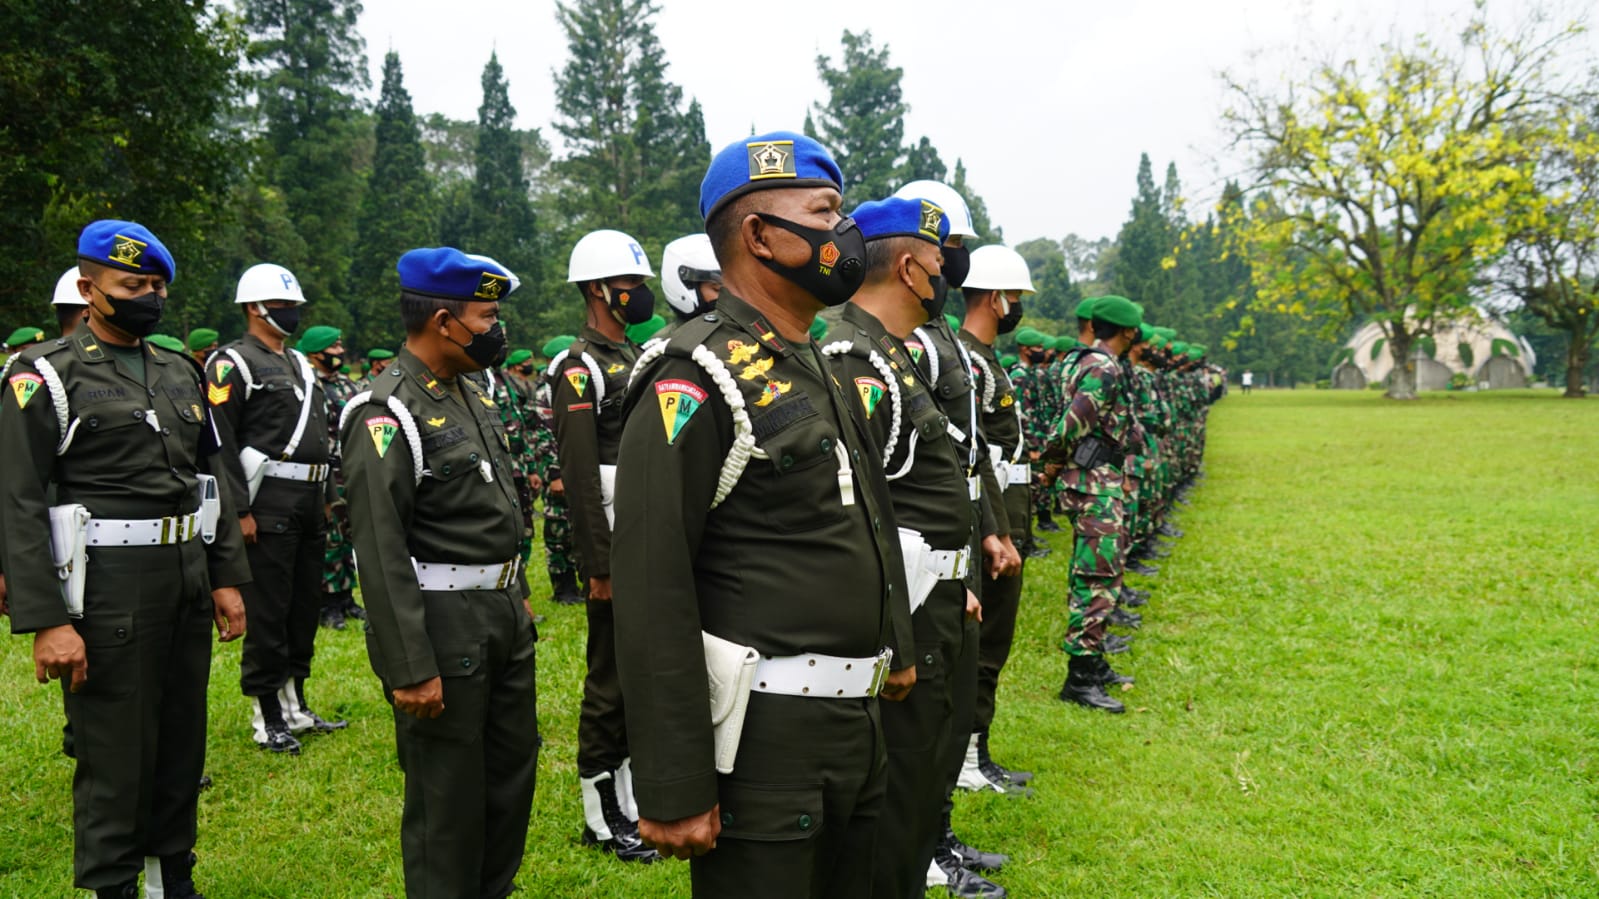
point(1009, 321)
point(957, 263)
point(636, 304)
point(838, 260)
point(285, 319)
point(940, 288)
point(135, 315)
point(333, 362)
point(487, 349)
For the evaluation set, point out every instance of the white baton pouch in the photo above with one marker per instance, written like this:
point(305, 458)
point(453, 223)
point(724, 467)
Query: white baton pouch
point(254, 463)
point(69, 549)
point(919, 577)
point(730, 668)
point(608, 493)
point(210, 508)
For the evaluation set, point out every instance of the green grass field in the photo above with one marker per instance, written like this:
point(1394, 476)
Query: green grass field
point(1370, 669)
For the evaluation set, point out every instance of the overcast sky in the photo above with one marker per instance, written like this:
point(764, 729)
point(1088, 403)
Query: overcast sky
point(1049, 102)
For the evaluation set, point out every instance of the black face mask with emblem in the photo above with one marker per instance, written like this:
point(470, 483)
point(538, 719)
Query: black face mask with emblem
point(1009, 321)
point(135, 315)
point(487, 349)
point(636, 304)
point(831, 281)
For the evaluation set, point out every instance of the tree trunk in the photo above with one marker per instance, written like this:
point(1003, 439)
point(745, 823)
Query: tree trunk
point(1576, 364)
point(1402, 382)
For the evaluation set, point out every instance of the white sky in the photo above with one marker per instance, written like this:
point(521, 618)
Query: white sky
point(1049, 102)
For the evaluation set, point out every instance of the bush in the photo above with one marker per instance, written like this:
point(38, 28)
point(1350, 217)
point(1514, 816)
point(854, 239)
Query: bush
point(1459, 381)
point(1324, 384)
point(1377, 385)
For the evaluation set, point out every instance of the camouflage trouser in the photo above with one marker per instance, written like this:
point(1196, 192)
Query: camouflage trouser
point(1132, 515)
point(560, 555)
point(525, 498)
point(1098, 524)
point(338, 557)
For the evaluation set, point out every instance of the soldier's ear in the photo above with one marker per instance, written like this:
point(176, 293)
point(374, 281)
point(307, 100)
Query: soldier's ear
point(753, 232)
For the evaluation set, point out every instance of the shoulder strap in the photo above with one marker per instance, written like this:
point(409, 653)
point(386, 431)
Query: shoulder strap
point(383, 392)
point(989, 386)
point(930, 349)
point(238, 362)
point(860, 349)
point(66, 426)
point(307, 392)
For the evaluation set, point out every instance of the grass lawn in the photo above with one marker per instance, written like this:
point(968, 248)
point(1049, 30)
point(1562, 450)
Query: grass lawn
point(1369, 669)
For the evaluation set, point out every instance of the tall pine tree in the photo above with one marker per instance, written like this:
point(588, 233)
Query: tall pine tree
point(1143, 243)
point(313, 68)
point(987, 232)
point(397, 214)
point(498, 220)
point(863, 121)
point(635, 154)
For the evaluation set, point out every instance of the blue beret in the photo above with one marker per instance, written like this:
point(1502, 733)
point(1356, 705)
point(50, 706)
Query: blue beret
point(902, 217)
point(128, 246)
point(775, 159)
point(448, 273)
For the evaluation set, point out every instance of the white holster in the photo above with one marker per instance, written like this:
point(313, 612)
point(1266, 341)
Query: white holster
point(730, 668)
point(69, 550)
point(608, 493)
point(919, 577)
point(254, 463)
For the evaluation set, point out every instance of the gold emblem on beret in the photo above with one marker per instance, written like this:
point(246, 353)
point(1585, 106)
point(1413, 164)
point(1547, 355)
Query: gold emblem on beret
point(931, 217)
point(771, 159)
point(126, 250)
point(490, 286)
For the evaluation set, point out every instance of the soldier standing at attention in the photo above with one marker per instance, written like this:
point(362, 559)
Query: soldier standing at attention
point(272, 418)
point(1087, 456)
point(754, 510)
point(324, 346)
point(201, 343)
point(103, 421)
point(588, 389)
point(436, 523)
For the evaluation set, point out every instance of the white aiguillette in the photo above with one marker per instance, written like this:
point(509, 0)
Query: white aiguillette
point(730, 669)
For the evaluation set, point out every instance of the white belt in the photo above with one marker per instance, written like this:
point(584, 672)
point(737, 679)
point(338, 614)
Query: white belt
point(143, 532)
point(822, 677)
point(1010, 474)
point(974, 487)
point(437, 576)
point(950, 564)
point(296, 471)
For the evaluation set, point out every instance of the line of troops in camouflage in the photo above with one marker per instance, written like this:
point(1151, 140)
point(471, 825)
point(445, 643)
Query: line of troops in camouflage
point(812, 460)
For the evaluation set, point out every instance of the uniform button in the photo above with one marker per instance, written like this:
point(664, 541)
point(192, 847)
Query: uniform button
point(927, 659)
point(138, 415)
point(151, 391)
point(472, 458)
point(946, 390)
point(166, 432)
point(121, 632)
point(787, 462)
point(856, 455)
point(466, 663)
point(727, 817)
point(94, 422)
point(804, 822)
point(876, 524)
point(446, 469)
point(827, 444)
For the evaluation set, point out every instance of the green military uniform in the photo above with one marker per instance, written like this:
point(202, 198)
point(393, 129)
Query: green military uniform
point(338, 559)
point(588, 390)
point(799, 556)
point(510, 393)
point(434, 485)
point(137, 436)
point(927, 475)
point(271, 402)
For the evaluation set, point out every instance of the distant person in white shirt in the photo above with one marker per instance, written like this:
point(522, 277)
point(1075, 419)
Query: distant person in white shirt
point(1248, 380)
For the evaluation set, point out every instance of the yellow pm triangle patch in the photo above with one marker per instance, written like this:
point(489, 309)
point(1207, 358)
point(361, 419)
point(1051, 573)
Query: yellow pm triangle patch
point(382, 430)
point(23, 386)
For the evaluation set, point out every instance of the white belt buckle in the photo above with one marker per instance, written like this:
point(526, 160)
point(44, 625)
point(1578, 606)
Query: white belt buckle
point(974, 487)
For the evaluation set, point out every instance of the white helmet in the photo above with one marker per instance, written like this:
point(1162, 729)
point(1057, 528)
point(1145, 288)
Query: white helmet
point(266, 281)
point(945, 197)
point(999, 268)
point(67, 289)
point(607, 254)
point(685, 263)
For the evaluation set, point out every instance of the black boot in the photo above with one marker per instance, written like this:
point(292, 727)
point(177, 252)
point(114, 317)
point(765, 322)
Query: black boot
point(1081, 688)
point(995, 770)
point(1120, 617)
point(278, 738)
point(333, 611)
point(969, 858)
point(1154, 549)
point(1046, 522)
point(177, 876)
point(1108, 676)
point(129, 890)
point(1116, 644)
point(1039, 550)
point(625, 842)
point(352, 609)
point(1133, 598)
point(1143, 568)
point(565, 589)
point(319, 724)
point(947, 872)
point(1170, 530)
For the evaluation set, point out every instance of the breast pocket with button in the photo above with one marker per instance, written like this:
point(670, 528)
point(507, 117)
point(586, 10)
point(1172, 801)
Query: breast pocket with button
point(802, 492)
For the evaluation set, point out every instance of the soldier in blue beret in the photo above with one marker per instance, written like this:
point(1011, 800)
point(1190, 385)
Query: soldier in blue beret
point(436, 521)
point(757, 521)
point(110, 439)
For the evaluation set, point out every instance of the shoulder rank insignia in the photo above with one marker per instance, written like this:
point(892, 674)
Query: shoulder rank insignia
point(772, 391)
point(739, 352)
point(23, 386)
point(756, 369)
point(1006, 400)
point(436, 422)
point(615, 367)
point(871, 392)
point(223, 368)
point(217, 394)
point(578, 377)
point(910, 380)
point(382, 430)
point(679, 400)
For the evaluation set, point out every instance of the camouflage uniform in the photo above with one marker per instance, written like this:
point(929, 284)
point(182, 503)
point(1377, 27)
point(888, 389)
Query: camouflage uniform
point(338, 557)
point(560, 554)
point(1098, 408)
point(510, 393)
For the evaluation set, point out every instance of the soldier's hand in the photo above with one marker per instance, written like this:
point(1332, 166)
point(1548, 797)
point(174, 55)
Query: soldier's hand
point(600, 589)
point(1051, 472)
point(424, 700)
point(57, 653)
point(247, 527)
point(898, 684)
point(4, 609)
point(685, 837)
point(974, 608)
point(557, 488)
point(227, 609)
point(1013, 560)
point(994, 552)
point(535, 483)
